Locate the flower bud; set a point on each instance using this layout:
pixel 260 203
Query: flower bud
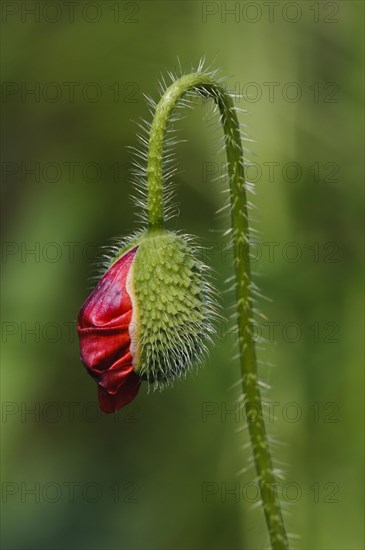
pixel 147 319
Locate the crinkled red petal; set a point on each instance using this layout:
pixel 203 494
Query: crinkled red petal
pixel 103 327
pixel 111 402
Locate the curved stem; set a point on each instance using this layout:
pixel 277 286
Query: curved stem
pixel 205 85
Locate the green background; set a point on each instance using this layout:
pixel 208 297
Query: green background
pixel 160 474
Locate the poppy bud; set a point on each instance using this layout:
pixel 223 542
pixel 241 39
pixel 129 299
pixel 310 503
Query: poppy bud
pixel 147 319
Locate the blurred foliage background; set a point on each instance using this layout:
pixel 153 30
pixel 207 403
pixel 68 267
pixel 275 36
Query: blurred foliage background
pixel 164 472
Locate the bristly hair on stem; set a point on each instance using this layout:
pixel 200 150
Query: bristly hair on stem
pixel 153 170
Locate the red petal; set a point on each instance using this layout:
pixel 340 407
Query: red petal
pixel 111 402
pixel 103 327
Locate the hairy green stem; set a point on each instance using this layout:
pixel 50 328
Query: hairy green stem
pixel 205 85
